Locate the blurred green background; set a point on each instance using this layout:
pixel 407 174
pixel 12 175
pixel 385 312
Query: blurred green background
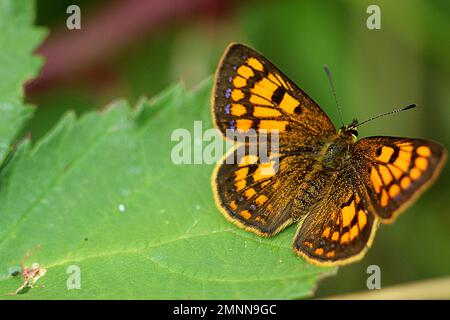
pixel 407 61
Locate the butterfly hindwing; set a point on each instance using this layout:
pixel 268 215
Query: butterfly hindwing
pixel 339 228
pixel 396 170
pixel 258 194
pixel 251 93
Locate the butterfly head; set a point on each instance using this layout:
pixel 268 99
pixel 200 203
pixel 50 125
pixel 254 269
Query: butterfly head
pixel 350 131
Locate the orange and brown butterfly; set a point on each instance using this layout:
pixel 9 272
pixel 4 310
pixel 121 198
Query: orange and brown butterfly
pixel 337 188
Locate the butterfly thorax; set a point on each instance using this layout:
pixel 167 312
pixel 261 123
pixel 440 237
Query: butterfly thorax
pixel 337 152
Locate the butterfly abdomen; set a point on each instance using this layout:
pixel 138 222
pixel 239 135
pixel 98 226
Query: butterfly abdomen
pixel 312 189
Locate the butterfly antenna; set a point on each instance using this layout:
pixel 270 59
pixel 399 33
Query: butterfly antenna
pixel 388 113
pixel 330 79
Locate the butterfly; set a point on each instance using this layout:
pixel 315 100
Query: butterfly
pixel 336 187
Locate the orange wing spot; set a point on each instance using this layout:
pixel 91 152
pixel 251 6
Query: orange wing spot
pixel 273 125
pixel 421 163
pixel 319 251
pixel 423 151
pixel 243 124
pixel 385 175
pixel 405 183
pixel 395 171
pixel 241 174
pixel 376 180
pixel 308 244
pixel 335 236
pixel 237 94
pixel 362 219
pixel 249 193
pixel 233 205
pixel 264 88
pixel 265 112
pixel 348 213
pixel 272 77
pixel 403 160
pixel 276 184
pixel 260 101
pixel 264 171
pixel 384 198
pixel 415 173
pixel 262 220
pixel 245 71
pixel 269 168
pixel 386 153
pixel 261 200
pixel 240 185
pixel 330 254
pixel 354 231
pixel 248 159
pixel 265 183
pixel 289 103
pixel 245 214
pixel 394 190
pixel 280 78
pixel 326 232
pixel 255 64
pixel 239 82
pixel 345 238
pixel 406 147
pixel 237 109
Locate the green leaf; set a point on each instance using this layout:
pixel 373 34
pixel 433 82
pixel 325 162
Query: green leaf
pixel 18 40
pixel 101 192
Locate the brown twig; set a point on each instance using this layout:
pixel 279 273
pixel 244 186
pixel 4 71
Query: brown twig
pixel 427 289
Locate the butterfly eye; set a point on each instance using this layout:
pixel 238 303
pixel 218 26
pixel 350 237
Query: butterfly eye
pixel 354 132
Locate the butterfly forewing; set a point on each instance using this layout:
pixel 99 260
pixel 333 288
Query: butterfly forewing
pixel 396 170
pixel 251 93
